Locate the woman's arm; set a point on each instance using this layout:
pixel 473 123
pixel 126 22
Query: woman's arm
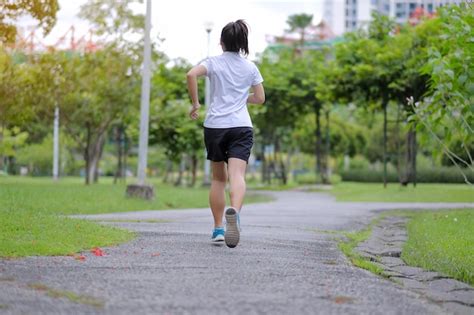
pixel 258 95
pixel 191 78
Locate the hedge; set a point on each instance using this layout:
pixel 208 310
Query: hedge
pixel 436 175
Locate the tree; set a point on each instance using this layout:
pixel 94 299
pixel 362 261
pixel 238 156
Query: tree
pixel 368 63
pixel 170 125
pixel 299 23
pixel 42 10
pixel 289 94
pixel 448 114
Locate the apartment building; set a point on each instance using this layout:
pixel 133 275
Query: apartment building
pixel 349 15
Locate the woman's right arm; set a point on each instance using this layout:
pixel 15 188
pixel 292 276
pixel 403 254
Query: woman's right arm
pixel 258 95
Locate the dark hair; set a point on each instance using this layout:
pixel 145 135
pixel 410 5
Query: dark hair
pixel 234 36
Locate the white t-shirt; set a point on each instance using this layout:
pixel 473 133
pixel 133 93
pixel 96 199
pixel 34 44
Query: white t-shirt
pixel 230 76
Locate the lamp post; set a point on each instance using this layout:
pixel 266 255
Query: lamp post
pixel 207 100
pixel 141 189
pixel 56 144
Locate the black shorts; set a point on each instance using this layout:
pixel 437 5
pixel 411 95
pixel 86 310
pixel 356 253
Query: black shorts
pixel 225 143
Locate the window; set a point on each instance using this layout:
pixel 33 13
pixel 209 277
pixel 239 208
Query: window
pixel 412 6
pixel 430 7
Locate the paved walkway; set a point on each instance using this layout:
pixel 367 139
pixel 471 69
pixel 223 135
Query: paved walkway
pixel 284 264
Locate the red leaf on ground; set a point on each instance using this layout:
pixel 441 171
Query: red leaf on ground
pixel 343 299
pixel 155 254
pixel 97 251
pixel 79 257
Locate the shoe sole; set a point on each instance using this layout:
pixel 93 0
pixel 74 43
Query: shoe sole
pixel 232 233
pixel 218 239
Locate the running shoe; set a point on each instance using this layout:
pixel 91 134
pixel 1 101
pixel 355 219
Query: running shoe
pixel 218 235
pixel 232 231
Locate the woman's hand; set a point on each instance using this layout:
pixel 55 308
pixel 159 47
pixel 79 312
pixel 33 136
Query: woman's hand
pixel 194 112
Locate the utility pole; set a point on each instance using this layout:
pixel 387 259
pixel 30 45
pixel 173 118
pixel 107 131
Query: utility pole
pixel 56 144
pixel 141 189
pixel 207 101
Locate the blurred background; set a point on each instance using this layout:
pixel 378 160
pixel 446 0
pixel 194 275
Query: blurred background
pixel 357 90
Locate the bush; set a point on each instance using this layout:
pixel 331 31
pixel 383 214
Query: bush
pixel 434 175
pixel 310 178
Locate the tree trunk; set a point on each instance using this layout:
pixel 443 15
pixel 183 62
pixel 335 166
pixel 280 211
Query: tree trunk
pixel 182 165
pixel 120 153
pixel 264 164
pixel 317 110
pixel 168 172
pixel 410 157
pixel 415 151
pixel 1 156
pixel 401 174
pixel 194 166
pixel 92 155
pixel 87 154
pixel 384 105
pixel 326 179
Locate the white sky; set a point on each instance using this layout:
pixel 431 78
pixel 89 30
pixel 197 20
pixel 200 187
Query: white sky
pixel 181 22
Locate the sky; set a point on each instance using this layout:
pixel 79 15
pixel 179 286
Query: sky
pixel 182 22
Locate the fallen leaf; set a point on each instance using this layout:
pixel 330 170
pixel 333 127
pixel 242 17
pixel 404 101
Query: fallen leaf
pixel 79 257
pixel 97 251
pixel 343 299
pixel 155 254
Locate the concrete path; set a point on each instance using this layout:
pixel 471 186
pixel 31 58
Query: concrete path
pixel 285 264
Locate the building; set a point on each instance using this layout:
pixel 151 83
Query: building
pixel 349 15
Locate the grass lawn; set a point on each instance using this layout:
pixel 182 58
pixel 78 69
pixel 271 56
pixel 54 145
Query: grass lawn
pixel 348 191
pixel 32 209
pixel 442 241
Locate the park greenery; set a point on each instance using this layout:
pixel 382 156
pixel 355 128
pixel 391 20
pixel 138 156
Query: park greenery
pixel 34 211
pixel 442 241
pixel 389 103
pixel 437 240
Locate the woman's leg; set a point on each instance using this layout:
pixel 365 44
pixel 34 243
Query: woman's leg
pixel 217 192
pixel 236 170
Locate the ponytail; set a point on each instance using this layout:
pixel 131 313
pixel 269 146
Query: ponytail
pixel 234 36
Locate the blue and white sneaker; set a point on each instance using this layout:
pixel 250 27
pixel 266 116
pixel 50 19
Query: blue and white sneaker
pixel 218 235
pixel 232 231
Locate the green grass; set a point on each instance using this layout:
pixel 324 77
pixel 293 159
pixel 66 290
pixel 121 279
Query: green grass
pixel 32 213
pixel 71 296
pixel 71 196
pixel 348 245
pixel 442 241
pixel 395 193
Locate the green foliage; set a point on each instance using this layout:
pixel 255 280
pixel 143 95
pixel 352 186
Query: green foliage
pixel 32 213
pixel 442 241
pixel 448 114
pixel 430 175
pixel 346 137
pixel 299 23
pixel 38 157
pixel 371 192
pixel 170 125
pixel 10 140
pixel 44 11
pixel 113 17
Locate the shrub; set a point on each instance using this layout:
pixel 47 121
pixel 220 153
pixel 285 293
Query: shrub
pixel 432 175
